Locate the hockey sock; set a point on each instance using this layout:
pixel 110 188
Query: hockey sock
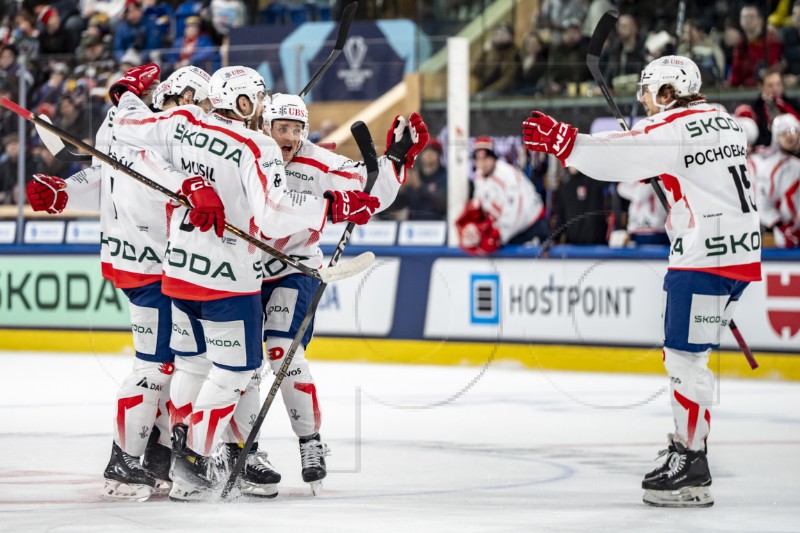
pixel 214 407
pixel 190 373
pixel 691 395
pixel 137 403
pixel 246 411
pixel 297 389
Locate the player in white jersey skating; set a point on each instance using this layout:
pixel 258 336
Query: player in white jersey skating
pixel 776 172
pixel 505 207
pixel 286 294
pixel 133 242
pixel 215 281
pixel 715 249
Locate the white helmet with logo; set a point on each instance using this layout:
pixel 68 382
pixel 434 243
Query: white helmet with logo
pixel 228 83
pixel 679 72
pixel 286 107
pixel 182 79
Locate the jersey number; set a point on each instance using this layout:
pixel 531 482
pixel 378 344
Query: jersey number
pixel 740 180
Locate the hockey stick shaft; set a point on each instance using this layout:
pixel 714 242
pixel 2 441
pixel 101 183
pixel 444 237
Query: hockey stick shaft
pixel 604 28
pixel 364 140
pixel 321 275
pixel 344 27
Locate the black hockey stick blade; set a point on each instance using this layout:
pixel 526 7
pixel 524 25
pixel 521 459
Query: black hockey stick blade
pixel 367 146
pixel 601 32
pixel 55 145
pixel 344 29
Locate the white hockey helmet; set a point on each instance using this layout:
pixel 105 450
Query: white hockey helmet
pixel 678 71
pixel 750 129
pixel 286 107
pixel 228 83
pixel 190 77
pixel 784 123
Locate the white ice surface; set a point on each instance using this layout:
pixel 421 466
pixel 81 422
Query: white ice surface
pixel 416 449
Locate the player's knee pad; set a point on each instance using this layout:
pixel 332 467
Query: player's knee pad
pixel 298 389
pixel 692 394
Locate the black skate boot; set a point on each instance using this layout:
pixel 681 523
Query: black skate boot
pixel 682 481
pixel 125 478
pixel 312 456
pixel 664 467
pixel 258 478
pixel 194 476
pixel 157 458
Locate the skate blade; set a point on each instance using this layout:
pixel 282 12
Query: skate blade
pixel 260 491
pixel 316 487
pixel 115 490
pixel 163 487
pixel 188 492
pixel 685 497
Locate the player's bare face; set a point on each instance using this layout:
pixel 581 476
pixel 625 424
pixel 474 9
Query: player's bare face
pixel 647 102
pixel 484 163
pixel 789 140
pixel 288 134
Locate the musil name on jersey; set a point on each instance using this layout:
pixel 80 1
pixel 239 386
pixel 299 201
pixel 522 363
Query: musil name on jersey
pixel 714 154
pixel 197 169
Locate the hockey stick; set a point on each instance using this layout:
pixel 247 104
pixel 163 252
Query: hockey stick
pixel 56 146
pixel 344 27
pixel 325 275
pixel 364 141
pixel 604 28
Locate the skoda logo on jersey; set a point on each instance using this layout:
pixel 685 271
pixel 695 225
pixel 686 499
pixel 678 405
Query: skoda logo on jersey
pixel 355 50
pixel 484 299
pixel 783 305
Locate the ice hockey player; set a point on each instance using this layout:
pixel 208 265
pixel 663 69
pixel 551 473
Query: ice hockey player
pixel 505 207
pixel 776 172
pixel 286 294
pixel 214 279
pixel 715 247
pixel 133 242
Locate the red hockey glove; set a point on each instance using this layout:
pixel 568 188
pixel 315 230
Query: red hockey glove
pixel 207 209
pixel 351 206
pixel 405 140
pixel 47 193
pixel 541 133
pixel 791 233
pixel 476 232
pixel 137 80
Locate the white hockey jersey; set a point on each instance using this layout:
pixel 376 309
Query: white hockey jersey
pixel 314 170
pixel 509 198
pixel 246 169
pixel 777 177
pixel 133 234
pixel 699 152
pixel 646 216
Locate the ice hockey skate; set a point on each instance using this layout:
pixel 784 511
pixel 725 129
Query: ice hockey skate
pixel 312 456
pixel 125 478
pixel 156 462
pixel 682 481
pixel 258 478
pixel 194 477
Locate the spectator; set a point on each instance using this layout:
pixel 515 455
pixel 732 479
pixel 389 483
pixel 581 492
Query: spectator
pixel 534 65
pixel 498 68
pixel 227 14
pixel 505 207
pixel 53 39
pixel 134 32
pixel 624 60
pixel 113 10
pixel 770 103
pixel 596 10
pixel 432 186
pixel 8 169
pixel 52 90
pixel 791 43
pixel 760 48
pixel 732 38
pixel 8 119
pixel 568 59
pixel 195 48
pixel 582 209
pixel 44 162
pixel 554 14
pixel 25 36
pixel 704 51
pixel 8 65
pixel 74 116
